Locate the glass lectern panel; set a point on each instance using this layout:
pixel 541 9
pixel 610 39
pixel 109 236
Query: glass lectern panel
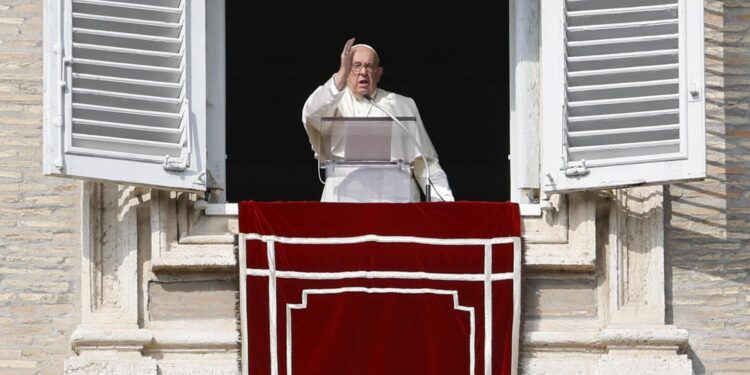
pixel 367 139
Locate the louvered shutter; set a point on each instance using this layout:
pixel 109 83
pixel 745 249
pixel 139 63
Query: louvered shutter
pixel 622 93
pixel 125 94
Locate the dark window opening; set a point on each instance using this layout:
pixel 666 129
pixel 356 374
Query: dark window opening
pixel 450 57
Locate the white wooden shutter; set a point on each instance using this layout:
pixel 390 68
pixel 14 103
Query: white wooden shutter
pixel 125 91
pixel 622 93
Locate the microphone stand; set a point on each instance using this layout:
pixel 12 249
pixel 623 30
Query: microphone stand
pixel 428 183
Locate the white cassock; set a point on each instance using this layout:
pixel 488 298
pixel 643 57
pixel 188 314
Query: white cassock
pixel 328 101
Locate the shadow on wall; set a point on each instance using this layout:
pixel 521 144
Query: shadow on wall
pixel 708 222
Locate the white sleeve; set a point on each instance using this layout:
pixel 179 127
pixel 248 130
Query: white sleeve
pixel 322 103
pixel 441 190
pixel 439 179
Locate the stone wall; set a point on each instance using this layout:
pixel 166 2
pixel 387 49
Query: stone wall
pixel 708 222
pixel 39 216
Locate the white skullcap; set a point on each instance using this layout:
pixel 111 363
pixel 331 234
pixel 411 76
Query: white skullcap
pixel 377 57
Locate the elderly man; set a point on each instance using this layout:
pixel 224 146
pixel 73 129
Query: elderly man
pixel 344 95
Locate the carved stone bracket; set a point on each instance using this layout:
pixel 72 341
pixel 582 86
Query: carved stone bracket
pixel 564 238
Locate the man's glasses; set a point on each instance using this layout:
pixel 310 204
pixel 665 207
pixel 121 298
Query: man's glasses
pixel 369 68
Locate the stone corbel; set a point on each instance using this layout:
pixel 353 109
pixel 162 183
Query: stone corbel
pixel 565 237
pixel 185 239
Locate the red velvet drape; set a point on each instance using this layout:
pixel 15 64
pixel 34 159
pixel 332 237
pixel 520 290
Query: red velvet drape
pixel 379 325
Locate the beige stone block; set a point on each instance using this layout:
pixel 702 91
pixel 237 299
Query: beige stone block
pixel 9 154
pixel 11 20
pixel 9 354
pixel 19 163
pixel 44 224
pixel 22 121
pixel 10 174
pixel 66 187
pixel 50 200
pixel 35 285
pixel 30 7
pixel 22 142
pixel 8 198
pixel 25 236
pixel 20 43
pixel 213 299
pixel 7 363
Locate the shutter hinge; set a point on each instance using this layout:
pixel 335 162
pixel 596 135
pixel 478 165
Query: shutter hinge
pixel 576 168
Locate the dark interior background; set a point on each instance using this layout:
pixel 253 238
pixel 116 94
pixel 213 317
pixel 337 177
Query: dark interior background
pixel 451 57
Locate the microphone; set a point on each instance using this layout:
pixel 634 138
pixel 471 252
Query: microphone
pixel 428 183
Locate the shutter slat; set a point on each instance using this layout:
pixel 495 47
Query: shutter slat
pixel 132 21
pixel 126 25
pixel 127 56
pixel 630 115
pixel 123 50
pixel 639 99
pixel 621 136
pixel 119 34
pixel 131 5
pixel 623 90
pixel 120 115
pixel 618 26
pixel 167 115
pixel 127 95
pixel 602 72
pixel 623 75
pixel 624 55
pixel 118 125
pixel 645 129
pixel 127 101
pixel 127 65
pixel 574 5
pixel 592 153
pixel 130 146
pixel 601 42
pixel 126 131
pixel 623 10
pixel 135 86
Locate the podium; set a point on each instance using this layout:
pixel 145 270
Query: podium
pixel 367 160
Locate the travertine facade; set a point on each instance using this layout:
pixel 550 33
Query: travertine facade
pixel 646 280
pixel 708 222
pixel 40 225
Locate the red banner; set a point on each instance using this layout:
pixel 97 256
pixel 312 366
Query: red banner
pixel 424 288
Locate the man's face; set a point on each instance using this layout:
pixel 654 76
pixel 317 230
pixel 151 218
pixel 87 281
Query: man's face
pixel 365 72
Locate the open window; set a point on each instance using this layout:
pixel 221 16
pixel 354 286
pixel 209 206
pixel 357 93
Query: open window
pixel 134 92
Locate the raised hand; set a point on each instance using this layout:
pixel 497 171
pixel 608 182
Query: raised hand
pixel 347 55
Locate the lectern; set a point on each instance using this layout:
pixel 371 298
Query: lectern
pixel 367 159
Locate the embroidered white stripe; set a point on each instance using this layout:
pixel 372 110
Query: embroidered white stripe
pixel 307 292
pixel 379 275
pixel 271 250
pixel 488 309
pixel 379 238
